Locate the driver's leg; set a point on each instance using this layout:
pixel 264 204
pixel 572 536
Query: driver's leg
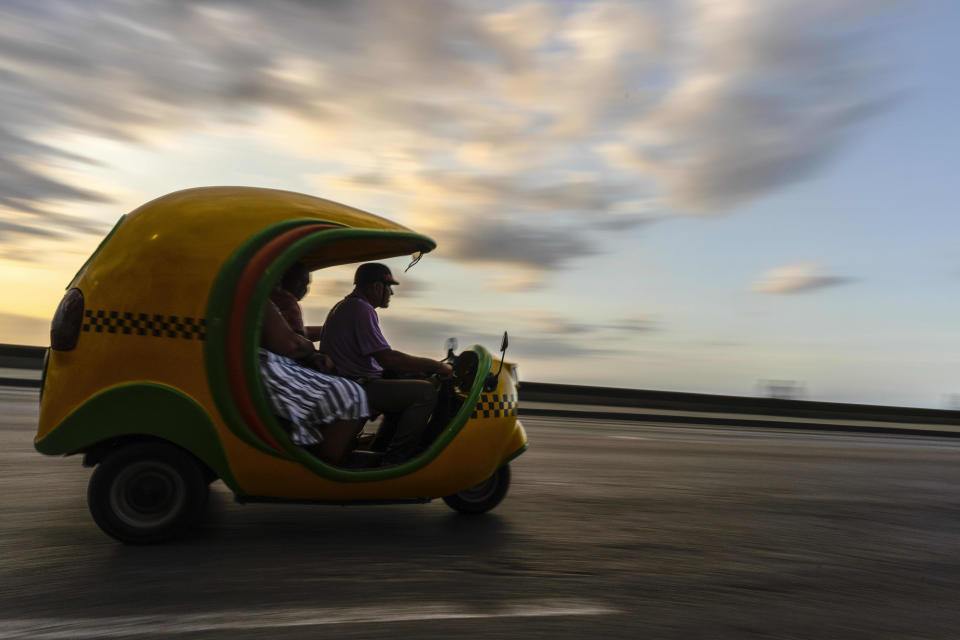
pixel 385 433
pixel 414 401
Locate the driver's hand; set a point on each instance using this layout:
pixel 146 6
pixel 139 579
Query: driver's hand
pixel 444 371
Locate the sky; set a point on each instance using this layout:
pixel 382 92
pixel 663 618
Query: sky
pixel 717 196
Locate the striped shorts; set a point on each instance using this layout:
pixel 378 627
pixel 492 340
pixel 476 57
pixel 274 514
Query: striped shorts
pixel 309 399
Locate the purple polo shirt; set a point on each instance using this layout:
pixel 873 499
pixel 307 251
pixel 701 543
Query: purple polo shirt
pixel 350 335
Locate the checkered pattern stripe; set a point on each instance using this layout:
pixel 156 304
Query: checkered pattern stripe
pixel 494 405
pixel 144 324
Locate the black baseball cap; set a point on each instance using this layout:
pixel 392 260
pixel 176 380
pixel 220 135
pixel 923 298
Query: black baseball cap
pixel 373 272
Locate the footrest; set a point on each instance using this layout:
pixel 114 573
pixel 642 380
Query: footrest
pixel 363 459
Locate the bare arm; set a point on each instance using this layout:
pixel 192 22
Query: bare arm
pixel 313 332
pixel 400 362
pixel 278 337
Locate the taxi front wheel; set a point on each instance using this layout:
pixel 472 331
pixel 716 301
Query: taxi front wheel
pixel 147 492
pixel 484 496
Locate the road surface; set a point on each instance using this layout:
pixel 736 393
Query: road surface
pixel 611 530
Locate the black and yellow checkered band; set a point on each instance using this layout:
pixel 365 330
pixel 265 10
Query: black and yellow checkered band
pixel 494 405
pixel 144 324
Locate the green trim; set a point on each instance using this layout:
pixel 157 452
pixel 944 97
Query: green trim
pixel 516 454
pixel 141 408
pixel 372 475
pixel 253 322
pixel 97 250
pixel 218 311
pixel 254 319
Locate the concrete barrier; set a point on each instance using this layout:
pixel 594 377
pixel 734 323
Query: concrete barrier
pixel 710 403
pixel 585 401
pixel 14 356
pixel 20 365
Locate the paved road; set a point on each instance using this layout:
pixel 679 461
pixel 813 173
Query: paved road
pixel 611 530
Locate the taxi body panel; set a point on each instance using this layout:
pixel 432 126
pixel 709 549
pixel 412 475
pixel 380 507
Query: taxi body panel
pixel 173 300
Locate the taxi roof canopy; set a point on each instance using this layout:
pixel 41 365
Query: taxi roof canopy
pixel 193 232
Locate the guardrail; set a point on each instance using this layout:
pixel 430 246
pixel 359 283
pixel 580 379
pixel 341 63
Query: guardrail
pixel 710 403
pixel 18 357
pixel 31 358
pixel 13 356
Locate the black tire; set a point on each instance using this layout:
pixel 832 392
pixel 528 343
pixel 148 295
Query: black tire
pixel 484 496
pixel 147 492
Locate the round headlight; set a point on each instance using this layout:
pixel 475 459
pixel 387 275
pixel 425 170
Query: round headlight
pixel 65 328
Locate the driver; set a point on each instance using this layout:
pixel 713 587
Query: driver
pixel 352 338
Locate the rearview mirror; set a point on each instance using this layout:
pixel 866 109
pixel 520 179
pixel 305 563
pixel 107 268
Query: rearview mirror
pixel 494 378
pixel 414 259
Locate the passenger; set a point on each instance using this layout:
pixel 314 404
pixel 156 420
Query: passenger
pixel 325 411
pixel 351 336
pixel 293 287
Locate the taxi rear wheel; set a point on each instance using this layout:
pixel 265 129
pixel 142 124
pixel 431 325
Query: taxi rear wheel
pixel 147 492
pixel 484 496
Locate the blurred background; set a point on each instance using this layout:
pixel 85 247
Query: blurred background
pixel 717 196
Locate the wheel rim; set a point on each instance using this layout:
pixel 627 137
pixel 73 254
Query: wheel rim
pixel 481 492
pixel 147 494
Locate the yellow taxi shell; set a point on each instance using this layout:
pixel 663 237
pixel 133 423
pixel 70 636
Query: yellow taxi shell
pixel 160 262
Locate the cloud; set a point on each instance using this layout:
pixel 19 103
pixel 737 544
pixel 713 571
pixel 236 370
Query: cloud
pixel 498 220
pixel 119 71
pixel 336 283
pixel 534 334
pixel 584 194
pixel 551 323
pixel 504 242
pixel 769 93
pixel 546 322
pixel 539 348
pixel 796 278
pixel 695 105
pixel 635 324
pixel 424 336
pixel 9 226
pixel 26 182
